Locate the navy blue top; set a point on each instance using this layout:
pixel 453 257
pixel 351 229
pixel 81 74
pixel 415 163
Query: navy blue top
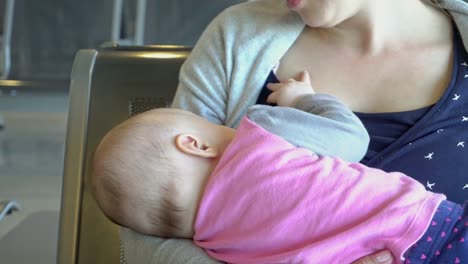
pixel 428 144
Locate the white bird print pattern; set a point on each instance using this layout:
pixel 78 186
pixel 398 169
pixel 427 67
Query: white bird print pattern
pixel 429 185
pixel 446 128
pixel 446 147
pixel 429 156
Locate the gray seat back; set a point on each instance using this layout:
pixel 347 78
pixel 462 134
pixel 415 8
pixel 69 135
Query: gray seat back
pixel 107 86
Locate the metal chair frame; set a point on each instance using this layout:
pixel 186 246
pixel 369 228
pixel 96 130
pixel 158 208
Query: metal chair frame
pixel 107 86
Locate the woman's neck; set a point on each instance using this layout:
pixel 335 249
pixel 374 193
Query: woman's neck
pixel 384 26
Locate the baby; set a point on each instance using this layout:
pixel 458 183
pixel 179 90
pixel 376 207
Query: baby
pixel 277 190
pixel 149 173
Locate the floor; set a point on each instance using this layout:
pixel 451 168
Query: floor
pixel 31 165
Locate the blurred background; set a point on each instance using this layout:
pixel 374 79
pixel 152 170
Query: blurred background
pixel 38 42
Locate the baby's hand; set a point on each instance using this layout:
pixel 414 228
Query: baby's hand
pixel 287 93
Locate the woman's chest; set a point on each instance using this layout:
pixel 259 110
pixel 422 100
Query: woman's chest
pixel 392 82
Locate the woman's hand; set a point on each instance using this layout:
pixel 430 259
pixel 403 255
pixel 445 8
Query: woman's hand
pixel 383 257
pixel 286 93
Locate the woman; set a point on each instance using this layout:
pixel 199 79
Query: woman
pixel 399 64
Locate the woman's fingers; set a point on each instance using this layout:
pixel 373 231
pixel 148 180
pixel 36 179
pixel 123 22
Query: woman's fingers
pixel 284 91
pixel 301 77
pixel 274 86
pixel 383 257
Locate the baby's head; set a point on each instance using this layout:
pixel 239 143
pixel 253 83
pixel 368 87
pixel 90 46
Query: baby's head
pixel 143 179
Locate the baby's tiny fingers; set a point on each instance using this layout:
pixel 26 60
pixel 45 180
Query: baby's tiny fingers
pixel 272 98
pixel 274 86
pixel 304 77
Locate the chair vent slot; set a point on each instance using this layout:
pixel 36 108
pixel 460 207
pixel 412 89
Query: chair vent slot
pixel 141 104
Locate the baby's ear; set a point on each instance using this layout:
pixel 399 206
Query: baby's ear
pixel 193 145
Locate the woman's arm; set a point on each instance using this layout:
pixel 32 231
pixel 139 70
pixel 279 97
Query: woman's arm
pixel 154 250
pixel 203 80
pixel 147 249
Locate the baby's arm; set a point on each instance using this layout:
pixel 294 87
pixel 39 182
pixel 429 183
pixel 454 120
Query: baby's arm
pixel 318 122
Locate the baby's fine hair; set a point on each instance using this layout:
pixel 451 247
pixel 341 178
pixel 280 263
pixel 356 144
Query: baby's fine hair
pixel 133 175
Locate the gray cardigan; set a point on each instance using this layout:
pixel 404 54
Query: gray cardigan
pixel 222 78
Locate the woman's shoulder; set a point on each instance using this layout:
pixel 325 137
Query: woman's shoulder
pixel 458 10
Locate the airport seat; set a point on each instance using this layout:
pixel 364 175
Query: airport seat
pixel 107 86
